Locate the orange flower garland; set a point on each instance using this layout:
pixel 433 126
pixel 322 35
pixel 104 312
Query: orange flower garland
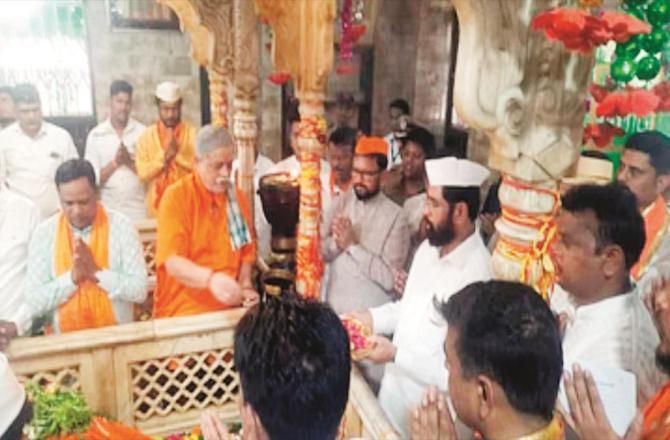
pixel 308 253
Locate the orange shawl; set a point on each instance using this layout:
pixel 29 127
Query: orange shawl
pixel 89 306
pixel 657 415
pixel 656 221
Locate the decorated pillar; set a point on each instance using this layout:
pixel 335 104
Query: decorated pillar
pixel 210 26
pixel 246 85
pixel 303 48
pixel 527 94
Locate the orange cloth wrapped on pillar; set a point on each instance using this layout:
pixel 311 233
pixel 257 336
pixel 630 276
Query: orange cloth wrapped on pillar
pixel 192 224
pixel 150 160
pixel 89 306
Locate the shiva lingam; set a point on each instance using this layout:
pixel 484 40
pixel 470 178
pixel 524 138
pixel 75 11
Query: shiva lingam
pixel 280 197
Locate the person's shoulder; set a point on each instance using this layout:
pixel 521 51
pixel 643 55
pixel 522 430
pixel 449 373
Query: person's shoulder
pixel 136 125
pixel 389 206
pixel 182 189
pixel 148 131
pixel 55 130
pixel 46 227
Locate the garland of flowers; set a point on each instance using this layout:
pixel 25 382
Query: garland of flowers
pixel 640 30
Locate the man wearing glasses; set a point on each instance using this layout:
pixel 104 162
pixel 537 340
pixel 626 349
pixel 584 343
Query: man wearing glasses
pixel 366 238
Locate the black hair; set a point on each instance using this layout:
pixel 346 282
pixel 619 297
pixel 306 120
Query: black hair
pixel 507 332
pixel 344 136
pixel 656 145
pixel 15 429
pixel 468 195
pixel 120 86
pixel 292 356
pixel 619 220
pixel 382 160
pixel 74 169
pixel 26 94
pixel 401 105
pixel 423 138
pixel 595 154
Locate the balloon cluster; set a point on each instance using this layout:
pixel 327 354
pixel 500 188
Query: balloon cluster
pixel 641 55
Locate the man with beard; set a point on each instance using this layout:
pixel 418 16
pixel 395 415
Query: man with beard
pixel 452 257
pixel 367 236
pixel 205 247
pixel 165 150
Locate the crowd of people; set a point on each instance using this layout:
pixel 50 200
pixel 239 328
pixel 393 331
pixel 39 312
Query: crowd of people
pixel 404 238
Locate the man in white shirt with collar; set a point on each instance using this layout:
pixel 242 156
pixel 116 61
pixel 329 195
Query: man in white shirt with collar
pixel 33 149
pixel 452 257
pixel 600 237
pixel 110 147
pixel 18 219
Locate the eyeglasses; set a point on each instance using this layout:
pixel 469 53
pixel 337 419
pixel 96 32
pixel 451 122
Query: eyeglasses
pixel 368 174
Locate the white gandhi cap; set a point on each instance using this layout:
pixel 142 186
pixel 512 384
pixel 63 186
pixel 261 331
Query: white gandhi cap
pixel 460 173
pixel 12 395
pixel 168 92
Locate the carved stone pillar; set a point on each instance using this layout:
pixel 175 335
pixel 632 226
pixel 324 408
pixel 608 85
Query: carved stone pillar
pixel 210 25
pixel 303 48
pixel 527 94
pixel 246 85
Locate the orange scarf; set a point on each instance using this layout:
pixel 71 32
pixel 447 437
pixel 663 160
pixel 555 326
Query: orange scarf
pixel 657 415
pixel 170 175
pixel 89 306
pixel 656 221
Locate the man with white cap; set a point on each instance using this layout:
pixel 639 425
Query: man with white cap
pixel 166 150
pixel 452 257
pixel 15 409
pixel 18 219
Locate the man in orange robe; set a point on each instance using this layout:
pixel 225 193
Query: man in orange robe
pixel 205 245
pixel 85 264
pixel 165 151
pixel 645 169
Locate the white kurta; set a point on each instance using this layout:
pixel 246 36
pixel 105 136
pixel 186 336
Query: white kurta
pixel 616 332
pixel 18 219
pixel 419 330
pixel 32 163
pixel 123 191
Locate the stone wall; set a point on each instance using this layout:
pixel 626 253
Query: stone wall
pixel 142 57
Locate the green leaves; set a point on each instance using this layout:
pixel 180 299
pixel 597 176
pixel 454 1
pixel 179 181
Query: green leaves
pixel 57 412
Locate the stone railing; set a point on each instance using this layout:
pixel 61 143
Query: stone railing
pixel 160 375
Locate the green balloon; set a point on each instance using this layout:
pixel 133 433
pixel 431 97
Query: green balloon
pixel 658 12
pixel 629 49
pixel 622 69
pixel 636 11
pixel 654 41
pixel 648 67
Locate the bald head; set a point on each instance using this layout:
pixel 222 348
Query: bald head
pixel 211 138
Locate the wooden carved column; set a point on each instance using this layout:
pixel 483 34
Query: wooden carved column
pixel 210 25
pixel 527 94
pixel 303 48
pixel 246 85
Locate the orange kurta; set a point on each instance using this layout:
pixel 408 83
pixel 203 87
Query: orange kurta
pixel 89 306
pixel 657 416
pixel 656 219
pixel 150 160
pixel 192 224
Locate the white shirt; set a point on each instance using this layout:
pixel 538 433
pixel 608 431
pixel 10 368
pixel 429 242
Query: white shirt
pixel 418 327
pixel 18 219
pixel 32 163
pixel 616 332
pixel 262 166
pixel 123 191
